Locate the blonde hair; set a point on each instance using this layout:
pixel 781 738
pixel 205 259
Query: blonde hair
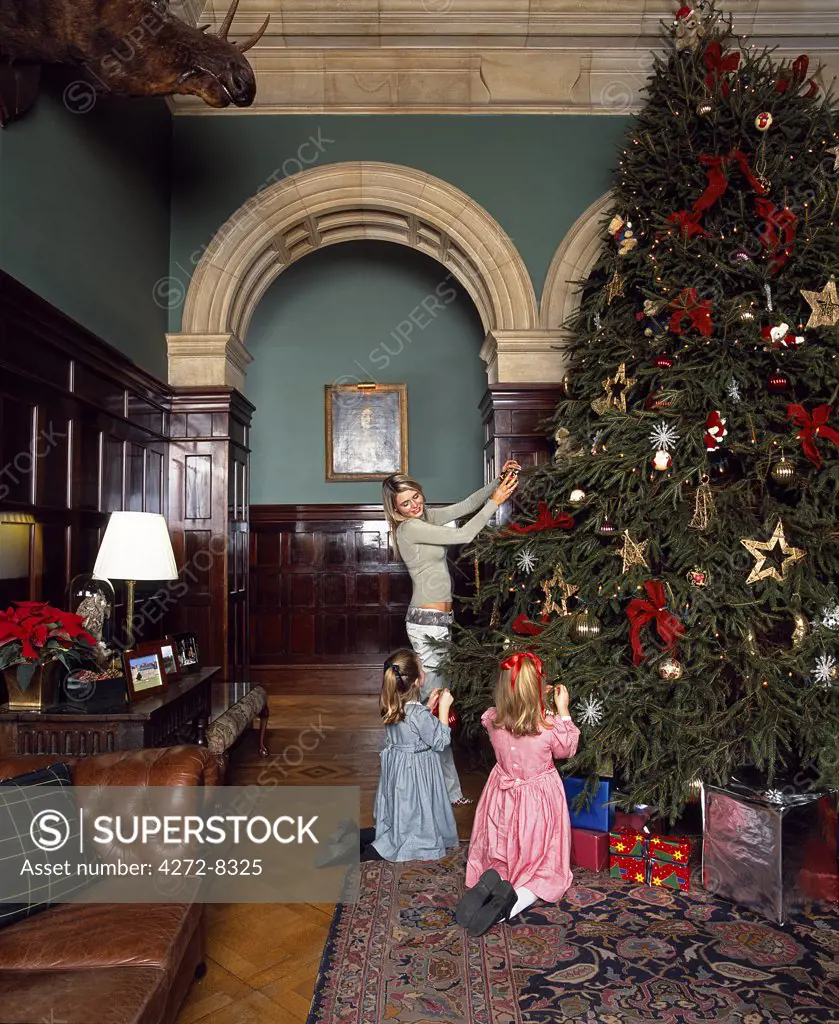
pixel 400 684
pixel 520 708
pixel 395 484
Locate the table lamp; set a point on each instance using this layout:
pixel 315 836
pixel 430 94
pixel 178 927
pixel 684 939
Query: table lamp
pixel 136 546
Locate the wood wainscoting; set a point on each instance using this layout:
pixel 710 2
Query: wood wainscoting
pixel 85 432
pixel 327 586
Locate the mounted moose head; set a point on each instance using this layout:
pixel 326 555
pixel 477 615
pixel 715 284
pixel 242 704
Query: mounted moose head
pixel 131 47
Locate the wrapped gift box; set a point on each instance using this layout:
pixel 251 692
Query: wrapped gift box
pixel 758 841
pixel 630 869
pixel 589 849
pixel 673 876
pixel 596 815
pixel 627 843
pixel 637 820
pixel 669 849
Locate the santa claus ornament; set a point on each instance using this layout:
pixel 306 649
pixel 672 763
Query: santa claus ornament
pixel 781 337
pixel 689 29
pixel 715 431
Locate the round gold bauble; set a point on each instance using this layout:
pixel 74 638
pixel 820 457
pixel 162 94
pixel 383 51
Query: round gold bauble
pixel 585 626
pixel 704 109
pixel 670 669
pixel 783 471
pixel 577 496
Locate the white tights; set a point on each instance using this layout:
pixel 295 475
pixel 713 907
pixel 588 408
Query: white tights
pixel 524 899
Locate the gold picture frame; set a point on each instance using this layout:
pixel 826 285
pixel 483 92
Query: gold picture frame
pixel 366 431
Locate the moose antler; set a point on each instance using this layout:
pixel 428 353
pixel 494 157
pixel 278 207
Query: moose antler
pixel 228 21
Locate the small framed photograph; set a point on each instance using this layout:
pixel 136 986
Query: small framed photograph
pixel 366 431
pixel 186 651
pixel 145 674
pixel 169 650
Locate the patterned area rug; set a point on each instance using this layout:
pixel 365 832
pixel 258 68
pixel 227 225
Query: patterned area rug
pixel 608 953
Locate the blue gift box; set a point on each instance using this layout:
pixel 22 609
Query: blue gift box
pixel 598 814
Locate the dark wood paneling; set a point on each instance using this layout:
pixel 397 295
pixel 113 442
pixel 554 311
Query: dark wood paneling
pixel 71 455
pixel 326 585
pixel 516 418
pixel 84 432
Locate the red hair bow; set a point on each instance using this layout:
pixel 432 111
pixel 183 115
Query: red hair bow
pixel 515 661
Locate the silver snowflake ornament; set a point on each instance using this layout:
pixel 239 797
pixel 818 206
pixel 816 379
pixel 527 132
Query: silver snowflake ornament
pixel 830 617
pixel 526 560
pixel 824 672
pixel 663 435
pixel 774 796
pixel 733 390
pixel 591 711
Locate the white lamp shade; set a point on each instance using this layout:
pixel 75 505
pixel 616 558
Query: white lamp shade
pixel 136 546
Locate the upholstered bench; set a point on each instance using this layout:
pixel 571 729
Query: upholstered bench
pixel 225 730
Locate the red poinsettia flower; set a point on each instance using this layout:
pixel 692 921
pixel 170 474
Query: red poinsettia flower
pixel 33 624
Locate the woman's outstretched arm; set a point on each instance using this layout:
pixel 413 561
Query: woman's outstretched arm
pixel 447 514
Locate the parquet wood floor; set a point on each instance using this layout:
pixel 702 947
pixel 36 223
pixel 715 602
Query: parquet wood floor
pixel 262 960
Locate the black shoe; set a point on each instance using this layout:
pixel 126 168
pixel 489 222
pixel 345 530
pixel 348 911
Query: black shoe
pixel 340 846
pixel 475 897
pixel 497 907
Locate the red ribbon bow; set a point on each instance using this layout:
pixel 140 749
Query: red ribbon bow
pixel 776 223
pixel 514 662
pixel 524 627
pixel 545 521
pixel 716 168
pixel 718 65
pixel 640 613
pixel 812 426
pixel 697 310
pixel 688 223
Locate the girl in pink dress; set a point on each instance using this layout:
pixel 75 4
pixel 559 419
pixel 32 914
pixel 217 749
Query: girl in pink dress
pixel 522 833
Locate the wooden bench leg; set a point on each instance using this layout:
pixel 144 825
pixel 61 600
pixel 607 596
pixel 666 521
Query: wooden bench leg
pixel 263 725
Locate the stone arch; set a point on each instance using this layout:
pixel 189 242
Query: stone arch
pixel 336 203
pixel 572 262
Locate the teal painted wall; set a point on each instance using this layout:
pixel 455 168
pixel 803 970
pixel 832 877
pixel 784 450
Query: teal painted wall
pixel 84 216
pixel 534 174
pixel 333 317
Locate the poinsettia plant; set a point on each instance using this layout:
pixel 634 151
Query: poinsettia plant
pixel 34 633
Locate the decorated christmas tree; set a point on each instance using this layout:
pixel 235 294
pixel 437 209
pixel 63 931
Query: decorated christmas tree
pixel 677 565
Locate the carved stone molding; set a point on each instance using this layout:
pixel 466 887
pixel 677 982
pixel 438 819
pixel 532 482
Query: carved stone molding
pixel 524 356
pixel 572 262
pixel 499 56
pixel 338 203
pixel 205 359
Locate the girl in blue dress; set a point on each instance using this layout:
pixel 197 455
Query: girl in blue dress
pixel 414 819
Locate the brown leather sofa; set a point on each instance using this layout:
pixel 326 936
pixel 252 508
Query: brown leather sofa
pixel 106 963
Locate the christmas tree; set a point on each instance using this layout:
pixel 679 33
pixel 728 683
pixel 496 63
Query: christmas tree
pixel 676 565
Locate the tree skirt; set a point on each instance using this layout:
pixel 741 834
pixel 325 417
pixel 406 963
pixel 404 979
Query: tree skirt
pixel 608 953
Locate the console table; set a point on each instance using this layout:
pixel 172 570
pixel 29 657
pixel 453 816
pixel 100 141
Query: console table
pixel 178 715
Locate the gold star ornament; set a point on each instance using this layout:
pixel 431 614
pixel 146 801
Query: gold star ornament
pixel 760 551
pixel 632 552
pixel 616 388
pixel 614 289
pixel 566 590
pixel 824 305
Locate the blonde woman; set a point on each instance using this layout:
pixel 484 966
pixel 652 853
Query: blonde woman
pixel 422 538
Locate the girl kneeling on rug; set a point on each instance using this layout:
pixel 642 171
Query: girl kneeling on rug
pixel 414 819
pixel 521 840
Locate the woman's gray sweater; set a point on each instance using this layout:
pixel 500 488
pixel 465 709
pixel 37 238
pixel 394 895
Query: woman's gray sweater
pixel 422 543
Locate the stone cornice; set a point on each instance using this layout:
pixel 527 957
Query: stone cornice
pixel 481 56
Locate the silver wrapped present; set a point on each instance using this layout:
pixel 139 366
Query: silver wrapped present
pixel 770 851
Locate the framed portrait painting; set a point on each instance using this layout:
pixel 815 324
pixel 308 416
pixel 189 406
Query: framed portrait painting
pixel 366 431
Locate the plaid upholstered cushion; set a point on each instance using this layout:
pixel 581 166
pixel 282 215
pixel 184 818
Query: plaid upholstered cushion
pixel 23 893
